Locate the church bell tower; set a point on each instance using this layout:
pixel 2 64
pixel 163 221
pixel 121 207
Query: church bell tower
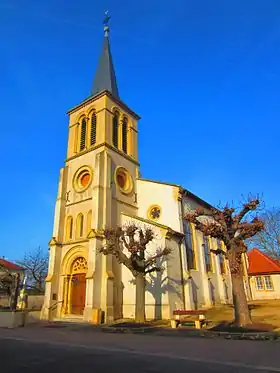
pixel 96 185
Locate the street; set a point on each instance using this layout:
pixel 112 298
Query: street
pixel 42 350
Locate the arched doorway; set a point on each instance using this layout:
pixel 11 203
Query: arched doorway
pixel 78 286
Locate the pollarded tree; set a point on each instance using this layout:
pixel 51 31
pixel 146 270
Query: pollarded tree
pixel 129 246
pixel 231 226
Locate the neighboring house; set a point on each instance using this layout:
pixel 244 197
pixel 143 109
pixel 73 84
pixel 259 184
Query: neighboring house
pixel 264 275
pixel 6 266
pixel 100 186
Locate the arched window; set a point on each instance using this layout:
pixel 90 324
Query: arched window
pixel 191 261
pixel 207 254
pixel 69 228
pixel 89 216
pixel 93 129
pixel 83 134
pixel 80 226
pixel 124 134
pixel 115 129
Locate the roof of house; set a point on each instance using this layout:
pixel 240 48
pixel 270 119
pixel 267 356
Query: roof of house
pixel 10 266
pixel 260 263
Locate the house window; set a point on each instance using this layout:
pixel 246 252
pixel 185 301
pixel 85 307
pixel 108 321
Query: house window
pixel 268 283
pixel 259 283
pixel 189 246
pixel 207 254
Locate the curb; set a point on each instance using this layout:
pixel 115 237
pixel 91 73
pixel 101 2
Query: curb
pixel 265 336
pixel 111 329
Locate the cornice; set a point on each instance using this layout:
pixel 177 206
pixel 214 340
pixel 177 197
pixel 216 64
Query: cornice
pixel 106 145
pixel 99 95
pixel 75 203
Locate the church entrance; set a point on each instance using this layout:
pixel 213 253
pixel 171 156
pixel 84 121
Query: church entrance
pixel 78 286
pixel 78 294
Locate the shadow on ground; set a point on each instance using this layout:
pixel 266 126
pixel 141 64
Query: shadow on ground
pixel 231 328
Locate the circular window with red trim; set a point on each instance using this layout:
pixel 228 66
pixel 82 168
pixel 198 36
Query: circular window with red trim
pixel 123 180
pixel 82 178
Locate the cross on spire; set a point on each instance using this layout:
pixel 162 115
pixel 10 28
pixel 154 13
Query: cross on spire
pixel 105 77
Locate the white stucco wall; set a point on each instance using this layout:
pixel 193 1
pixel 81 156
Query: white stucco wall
pixel 164 290
pixel 207 288
pixel 153 193
pixel 266 294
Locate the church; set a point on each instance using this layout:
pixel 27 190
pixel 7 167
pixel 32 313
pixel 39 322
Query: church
pixel 100 187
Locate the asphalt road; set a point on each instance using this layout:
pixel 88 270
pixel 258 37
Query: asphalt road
pixel 55 351
pixel 22 356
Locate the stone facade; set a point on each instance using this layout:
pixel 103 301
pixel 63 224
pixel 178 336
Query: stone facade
pixel 99 187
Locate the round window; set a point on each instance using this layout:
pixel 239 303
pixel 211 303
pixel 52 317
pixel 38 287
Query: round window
pixel 82 179
pixel 154 212
pixel 123 180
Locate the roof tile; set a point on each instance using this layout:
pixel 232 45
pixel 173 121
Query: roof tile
pixel 260 263
pixel 9 265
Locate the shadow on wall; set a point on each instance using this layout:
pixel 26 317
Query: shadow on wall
pixel 212 293
pixel 226 291
pixel 157 285
pixel 195 289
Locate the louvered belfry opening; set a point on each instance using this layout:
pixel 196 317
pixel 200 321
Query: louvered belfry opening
pixel 83 134
pixel 93 129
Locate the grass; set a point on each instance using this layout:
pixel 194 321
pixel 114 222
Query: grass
pixel 262 312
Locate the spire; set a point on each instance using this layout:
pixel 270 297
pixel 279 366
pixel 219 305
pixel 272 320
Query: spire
pixel 105 77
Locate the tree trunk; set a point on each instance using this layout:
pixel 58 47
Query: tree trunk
pixel 140 298
pixel 15 292
pixel 242 315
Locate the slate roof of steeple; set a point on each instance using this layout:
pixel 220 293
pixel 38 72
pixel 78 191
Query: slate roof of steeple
pixel 105 77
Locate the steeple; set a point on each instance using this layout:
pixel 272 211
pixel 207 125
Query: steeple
pixel 105 77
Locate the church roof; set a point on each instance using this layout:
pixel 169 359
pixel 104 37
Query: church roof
pixel 260 263
pixel 105 77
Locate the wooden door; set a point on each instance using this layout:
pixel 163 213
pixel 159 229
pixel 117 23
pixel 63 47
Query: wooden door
pixel 78 293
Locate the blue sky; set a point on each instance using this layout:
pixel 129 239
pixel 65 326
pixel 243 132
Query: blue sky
pixel 203 75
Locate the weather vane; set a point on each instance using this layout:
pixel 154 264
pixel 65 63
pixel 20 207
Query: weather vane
pixel 106 19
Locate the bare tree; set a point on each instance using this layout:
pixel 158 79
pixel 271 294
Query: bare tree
pixel 231 227
pixel 10 285
pixel 5 280
pixel 129 246
pixel 268 240
pixel 36 266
